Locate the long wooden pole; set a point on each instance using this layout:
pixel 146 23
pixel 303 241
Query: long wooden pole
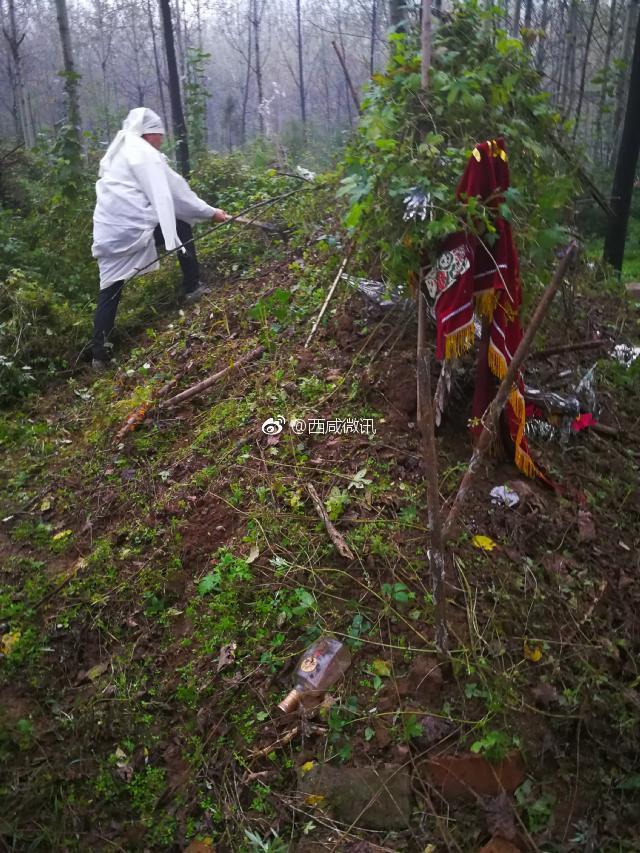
pixel 436 555
pixel 211 380
pixel 316 323
pixel 490 417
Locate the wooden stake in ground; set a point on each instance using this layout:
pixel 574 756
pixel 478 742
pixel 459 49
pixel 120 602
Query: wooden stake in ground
pixel 435 552
pixel 336 538
pixel 490 417
pixel 316 323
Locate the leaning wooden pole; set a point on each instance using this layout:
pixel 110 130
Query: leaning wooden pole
pixel 435 552
pixel 316 322
pixel 347 76
pixel 490 417
pixel 211 380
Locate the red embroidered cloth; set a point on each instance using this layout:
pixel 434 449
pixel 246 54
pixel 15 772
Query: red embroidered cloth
pixel 480 276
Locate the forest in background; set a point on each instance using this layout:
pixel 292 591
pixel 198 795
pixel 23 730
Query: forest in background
pixel 270 68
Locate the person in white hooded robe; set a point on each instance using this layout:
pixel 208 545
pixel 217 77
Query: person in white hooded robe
pixel 141 204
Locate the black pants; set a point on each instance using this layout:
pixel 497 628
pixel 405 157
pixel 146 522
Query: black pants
pixel 109 297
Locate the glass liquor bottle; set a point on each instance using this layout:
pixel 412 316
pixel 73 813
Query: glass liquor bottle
pixel 319 668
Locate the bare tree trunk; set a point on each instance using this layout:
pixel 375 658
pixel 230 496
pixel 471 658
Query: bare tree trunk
pixel 257 8
pixel 528 13
pixel 374 30
pixel 627 161
pixel 542 39
pixel 515 23
pixel 156 62
pixel 621 88
pixel 71 76
pixel 133 29
pixel 397 15
pixel 583 74
pixel 180 41
pixel 247 81
pixel 426 43
pixel 199 25
pixel 347 76
pixel 556 57
pixel 179 127
pixel 605 79
pixel 24 122
pixel 569 63
pixel 303 110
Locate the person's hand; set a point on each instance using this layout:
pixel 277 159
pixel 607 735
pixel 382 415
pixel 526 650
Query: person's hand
pixel 220 216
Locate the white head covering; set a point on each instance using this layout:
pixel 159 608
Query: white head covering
pixel 139 121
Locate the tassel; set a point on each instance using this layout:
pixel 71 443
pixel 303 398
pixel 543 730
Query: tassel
pixel 497 361
pixel 486 302
pixel 458 342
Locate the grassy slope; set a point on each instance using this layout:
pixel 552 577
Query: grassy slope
pixel 128 564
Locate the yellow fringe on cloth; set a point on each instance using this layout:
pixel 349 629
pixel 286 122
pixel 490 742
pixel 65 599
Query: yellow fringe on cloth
pixel 498 366
pixel 460 341
pixel 486 302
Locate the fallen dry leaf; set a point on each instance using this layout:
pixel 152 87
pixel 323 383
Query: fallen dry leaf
pixel 227 655
pixel 532 653
pixel 483 542
pixel 204 846
pixel 96 671
pixel 586 526
pixel 545 694
pixel 9 642
pixel 500 817
pixel 381 667
pixel 434 729
pixel 254 553
pixel 315 799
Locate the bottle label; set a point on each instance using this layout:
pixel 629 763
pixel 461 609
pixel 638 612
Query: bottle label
pixel 308 664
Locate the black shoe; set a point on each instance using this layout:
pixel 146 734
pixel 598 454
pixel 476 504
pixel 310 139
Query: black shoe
pixel 197 294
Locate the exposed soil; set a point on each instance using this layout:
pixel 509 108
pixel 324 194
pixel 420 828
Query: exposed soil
pixel 117 730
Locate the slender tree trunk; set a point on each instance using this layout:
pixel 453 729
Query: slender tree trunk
pixel 557 52
pixel 583 74
pixel 347 77
pixel 199 25
pixel 515 23
pixel 374 31
pixel 621 88
pixel 180 41
pixel 568 67
pixel 247 82
pixel 179 127
pixel 133 29
pixel 156 62
pixel 626 164
pixel 24 124
pixel 397 15
pixel 71 76
pixel 303 109
pixel 425 40
pixel 528 13
pixel 605 80
pixel 256 16
pixel 542 41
